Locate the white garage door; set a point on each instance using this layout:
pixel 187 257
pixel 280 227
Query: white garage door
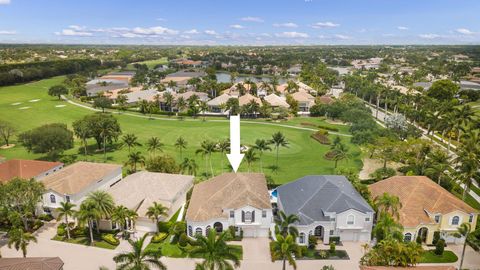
pixel 145 226
pixel 254 232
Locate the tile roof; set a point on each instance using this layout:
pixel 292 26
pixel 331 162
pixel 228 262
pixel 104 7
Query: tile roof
pixel 76 177
pixel 32 263
pixel 303 97
pixel 222 99
pixel 417 195
pixel 245 99
pixel 25 169
pixel 310 197
pixel 276 101
pixel 138 191
pixel 227 191
pixel 148 95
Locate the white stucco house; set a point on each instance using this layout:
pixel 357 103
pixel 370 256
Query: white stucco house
pixel 327 206
pixel 231 199
pixel 74 182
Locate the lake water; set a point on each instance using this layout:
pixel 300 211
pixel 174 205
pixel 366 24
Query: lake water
pixel 223 77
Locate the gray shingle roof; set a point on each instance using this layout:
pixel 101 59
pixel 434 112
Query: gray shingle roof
pixel 310 197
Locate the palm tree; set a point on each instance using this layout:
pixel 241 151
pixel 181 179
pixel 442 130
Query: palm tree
pixel 388 228
pixel 463 231
pixel 340 153
pixel 223 147
pixel 20 240
pixel 464 116
pixel 104 203
pixel 130 140
pixel 278 139
pixel 207 148
pixel 139 258
pixel 134 158
pixel 189 166
pixel 64 211
pixel 181 104
pixel 467 167
pixel 88 213
pixel 439 165
pixel 285 249
pixel 181 144
pixel 154 144
pixel 284 224
pixel 262 145
pixel 120 216
pixel 250 157
pixel 156 211
pixel 387 203
pixel 203 106
pixel 168 97
pixel 214 250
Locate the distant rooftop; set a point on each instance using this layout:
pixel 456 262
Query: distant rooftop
pixel 24 169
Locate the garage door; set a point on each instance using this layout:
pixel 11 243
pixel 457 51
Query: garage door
pixel 349 236
pixel 145 226
pixel 255 232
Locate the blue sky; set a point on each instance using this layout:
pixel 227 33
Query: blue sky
pixel 243 22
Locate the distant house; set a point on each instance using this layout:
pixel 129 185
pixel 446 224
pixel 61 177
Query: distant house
pixel 247 98
pixel 140 190
pixel 27 169
pixel 231 199
pixel 426 208
pixel 181 78
pixel 101 85
pixel 148 95
pixel 216 105
pixel 201 95
pixel 327 206
pixel 325 99
pixel 464 85
pixel 74 182
pixel 294 70
pixel 121 75
pixel 32 263
pixel 276 102
pixel 305 101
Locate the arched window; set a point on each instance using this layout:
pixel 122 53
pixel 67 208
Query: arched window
pixel 190 231
pixel 52 198
pixel 350 219
pixel 407 237
pixel 248 217
pixel 198 231
pixel 302 238
pixel 455 220
pixel 207 229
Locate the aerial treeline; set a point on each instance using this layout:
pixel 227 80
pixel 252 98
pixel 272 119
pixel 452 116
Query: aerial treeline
pixel 26 72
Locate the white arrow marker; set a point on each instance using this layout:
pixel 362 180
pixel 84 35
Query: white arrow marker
pixel 235 157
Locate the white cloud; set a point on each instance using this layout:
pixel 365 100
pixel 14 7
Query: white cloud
pixel 251 19
pixel 192 32
pixel 403 28
pixel 325 25
pixel 237 26
pixel 288 24
pixel 73 32
pixel 4 2
pixel 292 35
pixel 160 19
pixel 464 31
pixel 6 32
pixel 429 36
pixel 344 37
pixel 156 30
pixel 77 27
pixel 129 35
pixel 210 32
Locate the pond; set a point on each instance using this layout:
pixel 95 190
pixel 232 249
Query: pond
pixel 223 77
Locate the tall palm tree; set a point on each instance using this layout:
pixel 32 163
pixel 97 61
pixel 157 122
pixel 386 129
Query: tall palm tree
pixel 20 240
pixel 189 166
pixel 464 116
pixel 203 106
pixel 181 104
pixel 387 203
pixel 154 144
pixel 207 148
pixel 181 144
pixel 388 228
pixel 88 213
pixel 135 158
pixel 155 212
pixel 340 153
pixel 104 203
pixel 250 157
pixel 439 167
pixel 139 258
pixel 120 216
pixel 284 224
pixel 168 97
pixel 278 140
pixel 215 252
pixel 66 210
pixel 262 145
pixel 463 231
pixel 285 249
pixel 223 147
pixel 130 140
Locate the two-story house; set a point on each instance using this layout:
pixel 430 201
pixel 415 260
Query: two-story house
pixel 74 182
pixel 231 199
pixel 326 205
pixel 27 169
pixel 426 208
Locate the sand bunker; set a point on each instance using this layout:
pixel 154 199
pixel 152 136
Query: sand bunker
pixel 34 100
pixel 24 108
pixel 60 106
pixel 16 103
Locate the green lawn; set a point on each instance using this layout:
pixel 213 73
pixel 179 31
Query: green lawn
pixel 84 240
pixel 150 63
pixel 303 156
pixel 174 251
pixel 430 257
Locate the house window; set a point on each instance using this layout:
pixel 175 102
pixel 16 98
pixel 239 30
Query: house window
pixel 232 214
pixel 470 218
pixel 331 232
pixel 264 214
pixel 437 218
pixel 350 219
pixel 407 237
pixel 367 219
pixel 248 217
pixel 67 198
pixel 198 231
pixel 455 220
pixel 190 231
pixel 52 198
pixel 302 238
pixel 207 229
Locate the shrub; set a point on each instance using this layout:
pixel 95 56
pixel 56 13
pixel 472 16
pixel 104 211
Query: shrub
pixel 312 242
pixel 436 237
pixel 45 217
pixel 61 230
pixel 332 247
pixel 321 137
pixel 183 240
pixel 37 224
pixel 110 238
pixel 301 251
pixel 159 237
pixel 323 254
pixel 418 240
pixel 439 247
pixel 334 239
pixel 164 226
pixel 382 173
pixel 78 232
